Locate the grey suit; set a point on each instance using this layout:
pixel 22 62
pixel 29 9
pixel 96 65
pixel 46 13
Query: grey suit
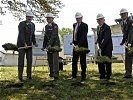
pixel 127 29
pixel 25 35
pixel 51 38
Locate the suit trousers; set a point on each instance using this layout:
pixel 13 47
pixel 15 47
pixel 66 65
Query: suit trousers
pixel 128 63
pixel 75 58
pixel 53 61
pixel 105 69
pixel 21 57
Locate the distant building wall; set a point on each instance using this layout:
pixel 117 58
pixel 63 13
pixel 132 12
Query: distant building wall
pixel 116 38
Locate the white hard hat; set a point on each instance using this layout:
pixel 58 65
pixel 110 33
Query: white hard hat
pixel 78 15
pixel 49 15
pixel 123 10
pixel 29 13
pixel 99 16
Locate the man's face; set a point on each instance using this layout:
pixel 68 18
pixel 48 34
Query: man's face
pixel 100 21
pixel 29 18
pixel 124 16
pixel 49 19
pixel 79 20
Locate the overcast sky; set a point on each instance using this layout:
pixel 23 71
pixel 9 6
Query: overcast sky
pixel 89 9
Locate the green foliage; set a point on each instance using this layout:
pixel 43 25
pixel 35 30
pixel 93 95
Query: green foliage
pixel 38 7
pixel 65 31
pixel 54 49
pixel 102 59
pixel 81 50
pixel 42 88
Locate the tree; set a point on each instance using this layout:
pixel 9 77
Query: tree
pixel 38 7
pixel 65 31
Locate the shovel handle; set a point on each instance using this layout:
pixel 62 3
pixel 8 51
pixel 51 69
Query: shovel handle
pixel 24 47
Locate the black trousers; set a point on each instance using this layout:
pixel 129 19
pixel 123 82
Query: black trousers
pixel 75 58
pixel 105 69
pixel 128 63
pixel 21 57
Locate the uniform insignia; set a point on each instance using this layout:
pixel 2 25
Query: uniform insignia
pixel 55 26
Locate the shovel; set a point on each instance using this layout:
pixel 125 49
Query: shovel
pixel 24 47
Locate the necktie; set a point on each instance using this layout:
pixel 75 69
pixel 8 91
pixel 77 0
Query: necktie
pixel 75 32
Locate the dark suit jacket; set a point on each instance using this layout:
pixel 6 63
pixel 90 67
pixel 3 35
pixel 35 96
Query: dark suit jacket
pixel 81 39
pixel 104 40
pixel 26 34
pixel 51 37
pixel 127 29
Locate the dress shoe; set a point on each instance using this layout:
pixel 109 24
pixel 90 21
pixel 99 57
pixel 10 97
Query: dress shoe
pixel 102 77
pixel 56 78
pixel 83 79
pixel 51 75
pixel 30 78
pixel 107 78
pixel 20 79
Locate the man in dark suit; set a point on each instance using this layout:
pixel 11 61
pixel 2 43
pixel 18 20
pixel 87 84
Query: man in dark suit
pixel 127 30
pixel 80 30
pixel 26 37
pixel 104 42
pixel 51 39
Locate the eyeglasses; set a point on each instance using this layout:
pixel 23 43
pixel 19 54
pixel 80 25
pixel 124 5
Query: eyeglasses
pixel 123 13
pixel 100 19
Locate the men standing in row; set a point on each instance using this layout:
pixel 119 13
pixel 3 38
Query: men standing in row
pixel 104 41
pixel 26 37
pixel 80 30
pixel 51 39
pixel 127 30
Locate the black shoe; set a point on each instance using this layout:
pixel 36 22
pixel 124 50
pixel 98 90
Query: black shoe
pixel 51 75
pixel 56 78
pixel 107 78
pixel 30 78
pixel 20 79
pixel 83 78
pixel 102 77
pixel 127 76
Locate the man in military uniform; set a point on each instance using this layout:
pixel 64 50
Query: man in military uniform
pixel 127 30
pixel 51 39
pixel 26 37
pixel 80 30
pixel 104 42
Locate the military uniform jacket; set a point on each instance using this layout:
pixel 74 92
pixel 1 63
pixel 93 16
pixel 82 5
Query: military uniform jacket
pixel 104 39
pixel 81 35
pixel 26 34
pixel 51 37
pixel 127 30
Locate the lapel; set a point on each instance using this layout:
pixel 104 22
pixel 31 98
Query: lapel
pixel 101 29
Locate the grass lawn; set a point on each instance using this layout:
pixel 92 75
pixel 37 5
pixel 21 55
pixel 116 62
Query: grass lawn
pixel 42 88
